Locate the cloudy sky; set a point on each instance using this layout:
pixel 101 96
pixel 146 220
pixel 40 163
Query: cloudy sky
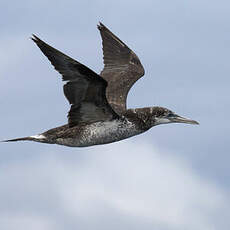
pixel 173 177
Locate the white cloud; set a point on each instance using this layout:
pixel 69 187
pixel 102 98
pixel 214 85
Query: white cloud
pixel 135 181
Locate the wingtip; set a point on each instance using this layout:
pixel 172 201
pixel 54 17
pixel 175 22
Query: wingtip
pixel 35 39
pixel 101 26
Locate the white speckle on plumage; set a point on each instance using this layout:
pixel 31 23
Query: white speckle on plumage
pixel 102 133
pixel 107 132
pixel 39 136
pixel 151 110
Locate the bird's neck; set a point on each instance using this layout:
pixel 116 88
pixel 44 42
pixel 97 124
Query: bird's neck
pixel 140 116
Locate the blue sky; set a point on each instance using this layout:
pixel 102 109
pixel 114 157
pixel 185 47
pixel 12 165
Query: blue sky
pixel 172 177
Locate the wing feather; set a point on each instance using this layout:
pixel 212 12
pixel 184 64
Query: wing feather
pixel 85 90
pixel 122 68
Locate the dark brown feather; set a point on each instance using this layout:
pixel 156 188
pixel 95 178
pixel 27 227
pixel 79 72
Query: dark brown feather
pixel 122 68
pixel 85 90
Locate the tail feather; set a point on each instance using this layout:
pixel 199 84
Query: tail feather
pixel 19 139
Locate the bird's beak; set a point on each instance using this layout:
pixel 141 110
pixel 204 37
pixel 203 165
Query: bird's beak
pixel 179 119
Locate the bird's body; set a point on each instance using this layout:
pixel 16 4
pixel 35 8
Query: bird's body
pixel 98 113
pixel 91 134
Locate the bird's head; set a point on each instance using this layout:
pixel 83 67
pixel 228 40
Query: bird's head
pixel 152 116
pixel 161 115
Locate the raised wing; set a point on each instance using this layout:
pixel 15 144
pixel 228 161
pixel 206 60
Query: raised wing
pixel 122 68
pixel 85 90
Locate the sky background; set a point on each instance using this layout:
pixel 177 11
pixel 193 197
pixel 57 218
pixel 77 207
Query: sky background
pixel 174 177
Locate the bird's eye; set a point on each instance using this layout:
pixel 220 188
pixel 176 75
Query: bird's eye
pixel 170 115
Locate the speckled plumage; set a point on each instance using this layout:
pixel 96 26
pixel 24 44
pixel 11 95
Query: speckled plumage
pixel 98 113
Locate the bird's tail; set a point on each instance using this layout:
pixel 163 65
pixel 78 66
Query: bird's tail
pixel 20 139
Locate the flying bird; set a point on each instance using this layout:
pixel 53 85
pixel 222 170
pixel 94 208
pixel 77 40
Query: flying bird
pixel 98 113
